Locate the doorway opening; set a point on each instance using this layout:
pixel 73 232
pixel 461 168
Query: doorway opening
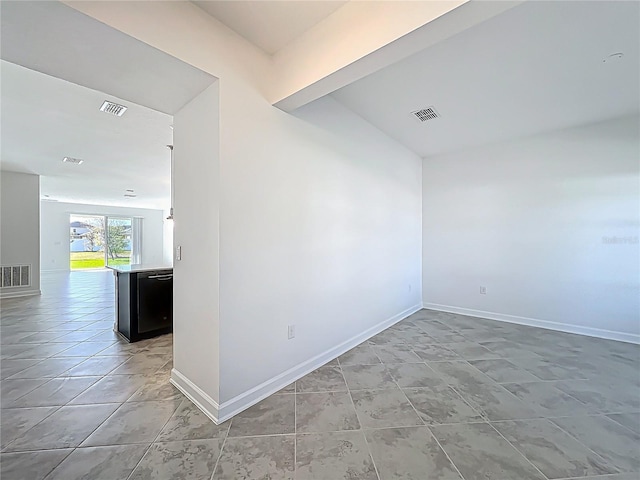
pixel 97 241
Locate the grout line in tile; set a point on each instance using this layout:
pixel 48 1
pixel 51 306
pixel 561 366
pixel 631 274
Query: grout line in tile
pixel 615 421
pixel 407 398
pixel 4 449
pixel 154 439
pixel 612 476
pixel 224 442
pixel 361 429
pixel 57 464
pixel 550 420
pixel 27 393
pixel 276 435
pixel 445 453
pixel 517 450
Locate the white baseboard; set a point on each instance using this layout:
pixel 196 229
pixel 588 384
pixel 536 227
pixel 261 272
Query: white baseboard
pixel 203 401
pixel 226 410
pixel 243 401
pixel 21 293
pixel 534 322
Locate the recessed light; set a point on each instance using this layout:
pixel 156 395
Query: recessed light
pixel 614 57
pixel 75 161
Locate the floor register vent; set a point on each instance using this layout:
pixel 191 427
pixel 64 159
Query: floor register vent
pixel 16 275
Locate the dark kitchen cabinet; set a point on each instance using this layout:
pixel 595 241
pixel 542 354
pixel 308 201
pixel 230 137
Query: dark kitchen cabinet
pixel 144 301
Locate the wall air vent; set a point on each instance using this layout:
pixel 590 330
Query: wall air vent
pixel 16 275
pixel 113 108
pixel 75 161
pixel 426 114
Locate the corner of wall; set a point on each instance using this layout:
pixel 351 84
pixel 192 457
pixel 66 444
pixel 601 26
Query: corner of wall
pixel 536 322
pixel 190 390
pixel 241 402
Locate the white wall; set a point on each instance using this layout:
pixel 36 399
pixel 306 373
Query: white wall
pixel 196 231
pixel 549 224
pixel 55 231
pixel 320 217
pixel 20 227
pixel 320 227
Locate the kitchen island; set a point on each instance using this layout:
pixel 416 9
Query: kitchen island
pixel 144 300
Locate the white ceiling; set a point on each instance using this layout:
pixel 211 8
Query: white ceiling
pixel 55 39
pixel 270 25
pixel 534 68
pixel 45 119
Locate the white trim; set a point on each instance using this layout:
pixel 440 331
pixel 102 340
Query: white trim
pixel 243 401
pixel 204 402
pixel 23 293
pixel 223 412
pixel 534 322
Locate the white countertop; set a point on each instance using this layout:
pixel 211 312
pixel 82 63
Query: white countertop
pixel 139 268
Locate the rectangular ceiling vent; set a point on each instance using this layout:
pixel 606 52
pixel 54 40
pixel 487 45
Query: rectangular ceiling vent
pixel 75 161
pixel 426 114
pixel 113 108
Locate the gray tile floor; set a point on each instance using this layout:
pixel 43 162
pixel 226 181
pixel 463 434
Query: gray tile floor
pixel 438 396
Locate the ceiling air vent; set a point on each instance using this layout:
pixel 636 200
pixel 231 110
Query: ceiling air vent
pixel 75 161
pixel 425 114
pixel 113 108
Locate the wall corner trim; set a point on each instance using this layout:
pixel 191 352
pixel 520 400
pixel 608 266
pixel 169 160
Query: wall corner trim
pixel 204 402
pixel 245 400
pixel 534 322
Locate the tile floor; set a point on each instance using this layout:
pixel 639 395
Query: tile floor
pixel 438 396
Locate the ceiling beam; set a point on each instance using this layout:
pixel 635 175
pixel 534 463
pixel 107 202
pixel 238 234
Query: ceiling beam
pixel 364 37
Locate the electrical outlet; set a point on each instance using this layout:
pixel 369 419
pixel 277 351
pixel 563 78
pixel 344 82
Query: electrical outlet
pixel 291 331
pixel 483 290
pixel 178 252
